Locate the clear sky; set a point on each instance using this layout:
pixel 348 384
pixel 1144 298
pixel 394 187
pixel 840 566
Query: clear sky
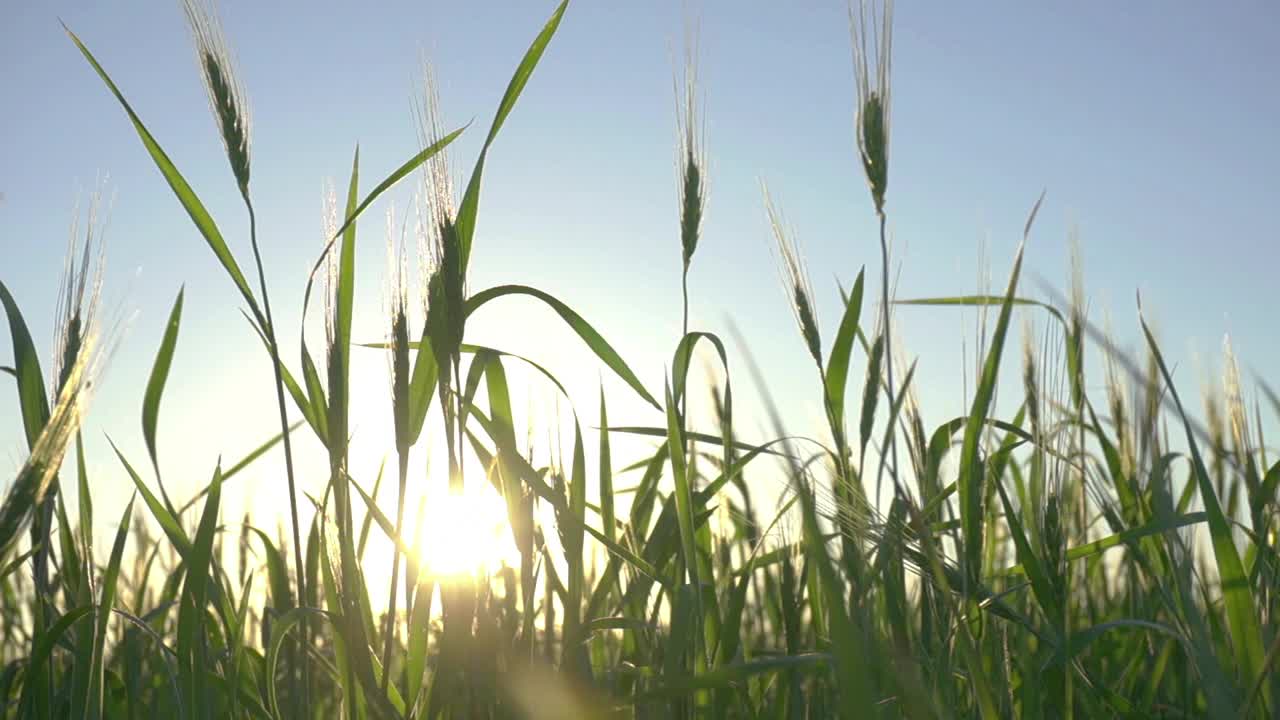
pixel 1151 124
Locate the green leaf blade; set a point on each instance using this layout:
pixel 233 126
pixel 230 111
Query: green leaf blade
pixel 159 376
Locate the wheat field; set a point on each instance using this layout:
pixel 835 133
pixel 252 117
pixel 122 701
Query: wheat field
pixel 1102 550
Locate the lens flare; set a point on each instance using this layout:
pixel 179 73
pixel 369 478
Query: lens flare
pixel 466 533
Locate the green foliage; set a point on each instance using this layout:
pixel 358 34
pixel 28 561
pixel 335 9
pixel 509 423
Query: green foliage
pixel 1048 568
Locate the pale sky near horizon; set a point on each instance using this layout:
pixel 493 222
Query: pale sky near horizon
pixel 1150 124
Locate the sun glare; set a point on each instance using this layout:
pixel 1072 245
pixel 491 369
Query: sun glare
pixel 466 533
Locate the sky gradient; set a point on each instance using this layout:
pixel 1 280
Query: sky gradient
pixel 1150 124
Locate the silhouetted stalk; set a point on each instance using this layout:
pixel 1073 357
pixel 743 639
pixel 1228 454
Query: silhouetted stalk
pixel 684 297
pixel 300 566
pixel 395 571
pixel 892 454
pixel 400 417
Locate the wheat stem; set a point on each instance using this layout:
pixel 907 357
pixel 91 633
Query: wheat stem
pixel 300 566
pixel 891 457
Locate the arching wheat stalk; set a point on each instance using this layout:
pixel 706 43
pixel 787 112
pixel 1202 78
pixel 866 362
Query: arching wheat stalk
pixel 231 112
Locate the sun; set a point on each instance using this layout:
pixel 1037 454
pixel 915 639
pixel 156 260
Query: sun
pixel 466 533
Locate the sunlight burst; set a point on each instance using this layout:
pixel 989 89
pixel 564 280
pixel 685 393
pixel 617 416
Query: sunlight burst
pixel 466 532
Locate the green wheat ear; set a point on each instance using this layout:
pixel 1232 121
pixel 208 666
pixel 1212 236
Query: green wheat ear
pixel 795 278
pixel 872 58
pixel 226 94
pixel 397 290
pixel 691 205
pixel 691 157
pixel 446 301
pixel 79 294
pixel 873 144
pixel 440 250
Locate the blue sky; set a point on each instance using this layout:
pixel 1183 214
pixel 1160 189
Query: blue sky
pixel 1151 125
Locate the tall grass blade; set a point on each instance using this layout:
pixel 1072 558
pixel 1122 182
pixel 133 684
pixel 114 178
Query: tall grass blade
pixel 43 648
pixel 593 339
pixel 192 660
pixel 396 176
pixel 32 396
pixel 159 376
pixel 837 373
pixel 971 482
pixel 1242 614
pixel 466 222
pixel 683 494
pixel 110 578
pixel 168 523
pixel 186 196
